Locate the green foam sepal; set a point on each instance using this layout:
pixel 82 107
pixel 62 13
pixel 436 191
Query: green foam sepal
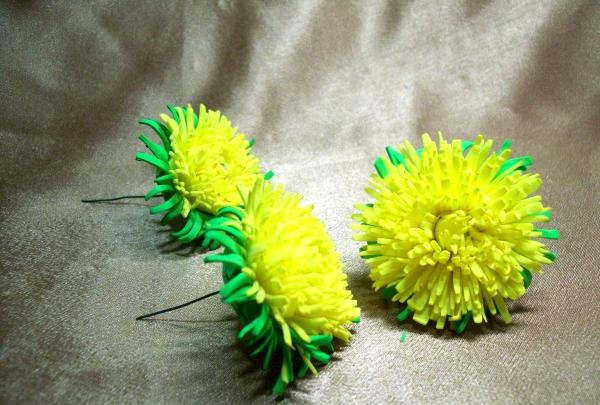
pixel 527 278
pixel 404 314
pixel 460 326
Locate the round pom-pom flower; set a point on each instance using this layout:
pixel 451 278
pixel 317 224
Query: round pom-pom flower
pixel 199 166
pixel 284 278
pixel 450 233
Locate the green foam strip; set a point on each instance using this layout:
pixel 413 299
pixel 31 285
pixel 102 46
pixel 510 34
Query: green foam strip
pixel 525 162
pixel 222 240
pixel 244 331
pixel 170 203
pixel 213 246
pixel 404 314
pixel 230 230
pixel 320 356
pixel 261 320
pixel 527 278
pixel 186 227
pixel 238 297
pixel 465 145
pixel 218 221
pixel 162 188
pixel 261 347
pixel 160 130
pixel 231 258
pixel 173 111
pixel 380 167
pixel 396 157
pixel 548 233
pixel 193 233
pixel 320 340
pixel 279 387
pixel 505 145
pixel 154 161
pixel 269 352
pixel 461 325
pixel 303 368
pixel 164 178
pixel 389 292
pixel 231 210
pixel 174 213
pixel 247 328
pixel 550 255
pixel 547 214
pixel 155 148
pixel 287 358
pixel 269 175
pixel 182 114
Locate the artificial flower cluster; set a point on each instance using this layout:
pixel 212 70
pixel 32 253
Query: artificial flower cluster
pixel 450 235
pixel 451 230
pixel 281 271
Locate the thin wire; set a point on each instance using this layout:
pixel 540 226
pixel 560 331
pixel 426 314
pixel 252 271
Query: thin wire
pixel 162 311
pixel 124 197
pixel 139 318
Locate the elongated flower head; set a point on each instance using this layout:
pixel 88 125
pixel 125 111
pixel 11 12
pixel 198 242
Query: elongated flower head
pixel 284 278
pixel 201 163
pixel 450 233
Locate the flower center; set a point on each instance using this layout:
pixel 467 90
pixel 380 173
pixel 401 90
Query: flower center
pixel 451 230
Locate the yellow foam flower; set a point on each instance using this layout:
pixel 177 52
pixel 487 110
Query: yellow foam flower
pixel 284 278
pixel 200 166
pixel 452 235
pixel 209 160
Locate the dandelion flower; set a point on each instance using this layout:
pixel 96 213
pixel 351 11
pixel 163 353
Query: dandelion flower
pixel 451 236
pixel 200 165
pixel 284 279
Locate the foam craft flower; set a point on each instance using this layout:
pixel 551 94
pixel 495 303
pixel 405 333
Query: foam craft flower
pixel 451 236
pixel 200 165
pixel 284 279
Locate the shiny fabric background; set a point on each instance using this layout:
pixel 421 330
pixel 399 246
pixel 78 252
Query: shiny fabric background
pixel 323 86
